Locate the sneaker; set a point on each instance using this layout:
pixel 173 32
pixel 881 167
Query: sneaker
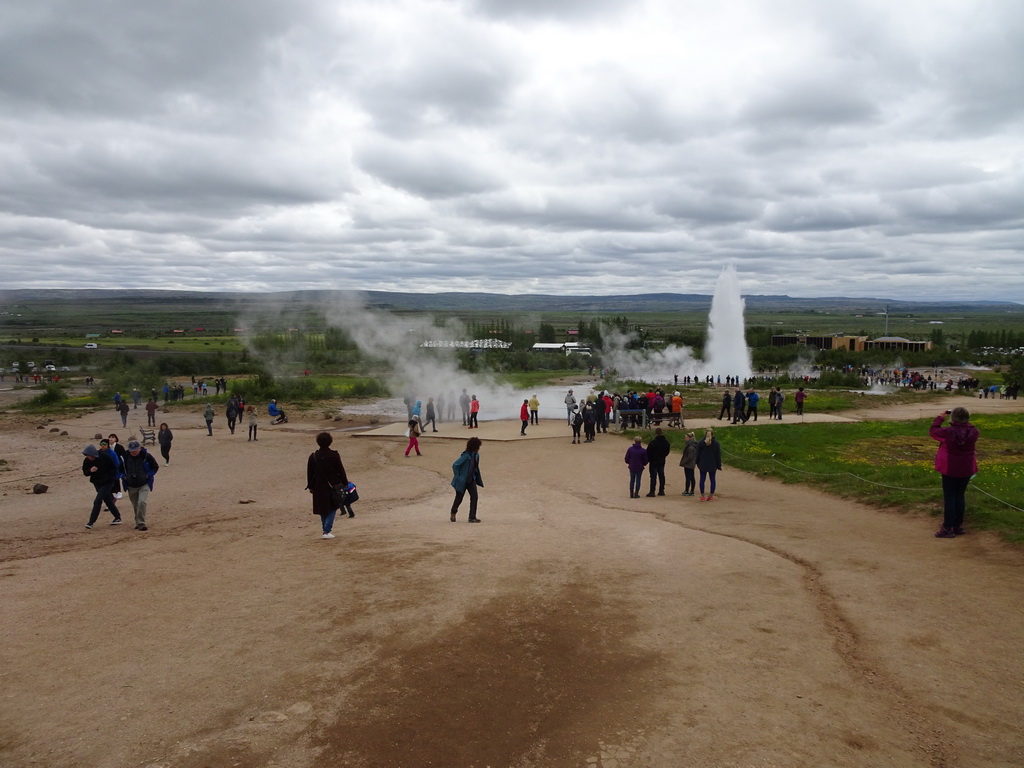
pixel 118 495
pixel 959 531
pixel 116 522
pixel 327 536
pixel 89 526
pixel 703 498
pixel 474 519
pixel 711 498
pixel 141 528
pixel 945 533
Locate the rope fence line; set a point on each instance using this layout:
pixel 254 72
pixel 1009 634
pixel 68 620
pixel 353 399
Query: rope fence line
pixel 864 479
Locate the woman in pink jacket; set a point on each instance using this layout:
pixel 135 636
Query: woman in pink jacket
pixel 957 464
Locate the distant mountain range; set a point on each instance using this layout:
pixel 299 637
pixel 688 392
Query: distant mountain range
pixel 620 303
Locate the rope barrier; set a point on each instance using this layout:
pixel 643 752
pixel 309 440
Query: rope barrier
pixel 864 479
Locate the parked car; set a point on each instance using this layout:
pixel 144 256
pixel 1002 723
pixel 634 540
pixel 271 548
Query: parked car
pixel 92 345
pixel 64 369
pixel 51 368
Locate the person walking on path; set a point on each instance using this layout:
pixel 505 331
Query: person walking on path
pixel 957 462
pixel 253 421
pixel 232 414
pixel 474 412
pixel 466 477
pixel 414 434
pixel 524 417
pixel 122 408
pixel 324 470
pixel 738 404
pixel 534 406
pixel 102 473
pixel 151 409
pixel 752 400
pixel 709 462
pixel 165 437
pixel 139 469
pixel 208 415
pixel 726 407
pixel 431 418
pixel 636 460
pixel 688 462
pixel 118 453
pixel 657 454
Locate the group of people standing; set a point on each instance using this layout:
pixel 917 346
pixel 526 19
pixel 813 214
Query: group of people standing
pixel 704 455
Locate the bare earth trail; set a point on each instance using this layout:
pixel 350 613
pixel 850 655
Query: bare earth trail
pixel 775 626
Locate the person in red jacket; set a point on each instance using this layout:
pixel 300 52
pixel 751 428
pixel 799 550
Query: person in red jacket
pixel 956 462
pixel 524 416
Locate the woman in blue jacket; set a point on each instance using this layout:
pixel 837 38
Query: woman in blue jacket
pixel 466 477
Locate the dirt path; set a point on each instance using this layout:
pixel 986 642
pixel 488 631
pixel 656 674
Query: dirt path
pixel 775 626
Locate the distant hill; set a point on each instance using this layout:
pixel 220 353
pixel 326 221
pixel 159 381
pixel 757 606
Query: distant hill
pixel 468 302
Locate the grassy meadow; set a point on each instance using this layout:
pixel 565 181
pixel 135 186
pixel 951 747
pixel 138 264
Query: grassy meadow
pixel 888 464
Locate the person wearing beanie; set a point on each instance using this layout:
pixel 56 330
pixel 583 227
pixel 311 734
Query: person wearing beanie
pixel 102 473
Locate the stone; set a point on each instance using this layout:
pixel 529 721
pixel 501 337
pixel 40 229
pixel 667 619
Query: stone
pixel 40 488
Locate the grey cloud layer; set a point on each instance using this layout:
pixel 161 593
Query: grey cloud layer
pixel 576 147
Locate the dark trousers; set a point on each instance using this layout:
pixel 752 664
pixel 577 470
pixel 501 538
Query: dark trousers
pixel 165 451
pixel 231 424
pixel 726 411
pixel 954 501
pixel 526 423
pixel 252 431
pixel 691 481
pixel 104 495
pixel 473 497
pixel 657 477
pixel 534 418
pixel 752 411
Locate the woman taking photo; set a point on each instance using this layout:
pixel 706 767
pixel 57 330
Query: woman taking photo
pixel 956 462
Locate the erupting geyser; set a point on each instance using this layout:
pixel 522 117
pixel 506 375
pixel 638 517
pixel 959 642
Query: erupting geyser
pixel 727 352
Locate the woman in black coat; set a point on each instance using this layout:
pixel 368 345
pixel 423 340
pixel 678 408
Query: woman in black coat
pixel 323 470
pixel 709 461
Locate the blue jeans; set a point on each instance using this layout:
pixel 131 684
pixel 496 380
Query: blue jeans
pixel 703 474
pixel 328 520
pixel 634 482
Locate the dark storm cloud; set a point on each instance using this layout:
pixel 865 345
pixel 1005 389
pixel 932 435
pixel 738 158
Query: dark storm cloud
pixel 591 145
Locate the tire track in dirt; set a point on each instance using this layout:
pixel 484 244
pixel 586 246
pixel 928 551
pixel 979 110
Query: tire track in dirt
pixel 849 648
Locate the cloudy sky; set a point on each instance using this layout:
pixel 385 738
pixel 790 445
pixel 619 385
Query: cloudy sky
pixel 862 148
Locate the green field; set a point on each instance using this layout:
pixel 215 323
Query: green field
pixel 888 464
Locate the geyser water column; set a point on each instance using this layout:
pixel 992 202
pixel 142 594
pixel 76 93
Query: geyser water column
pixel 726 353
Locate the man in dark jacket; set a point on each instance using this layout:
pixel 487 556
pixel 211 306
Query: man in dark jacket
pixel 101 471
pixel 738 404
pixel 726 407
pixel 139 468
pixel 657 452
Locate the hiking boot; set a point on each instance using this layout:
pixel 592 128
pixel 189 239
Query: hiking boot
pixel 945 533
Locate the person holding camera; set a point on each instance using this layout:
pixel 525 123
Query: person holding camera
pixel 957 463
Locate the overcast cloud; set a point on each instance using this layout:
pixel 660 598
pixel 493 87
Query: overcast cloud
pixel 866 148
